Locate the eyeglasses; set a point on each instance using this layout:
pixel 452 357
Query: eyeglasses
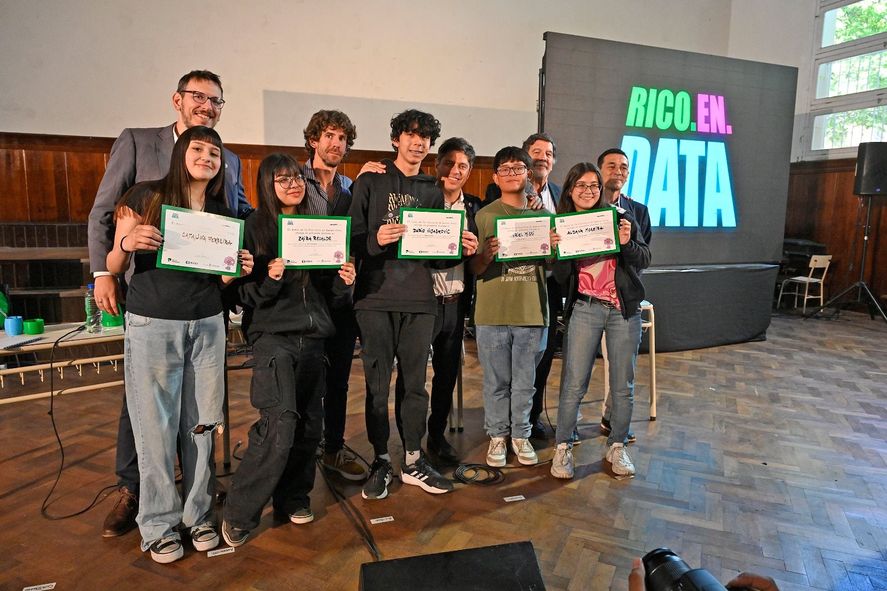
pixel 511 170
pixel 288 182
pixel 201 97
pixel 583 187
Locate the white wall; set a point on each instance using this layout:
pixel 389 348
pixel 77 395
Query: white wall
pixel 84 67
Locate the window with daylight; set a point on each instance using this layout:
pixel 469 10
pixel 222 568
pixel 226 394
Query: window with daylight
pixel 849 102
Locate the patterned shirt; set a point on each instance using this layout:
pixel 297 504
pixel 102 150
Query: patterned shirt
pixel 317 201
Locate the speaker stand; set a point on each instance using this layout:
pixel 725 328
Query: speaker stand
pixel 861 286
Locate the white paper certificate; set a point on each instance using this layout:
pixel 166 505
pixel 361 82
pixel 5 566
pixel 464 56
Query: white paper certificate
pixel 198 241
pixel 523 237
pixel 587 233
pixel 431 233
pixel 314 242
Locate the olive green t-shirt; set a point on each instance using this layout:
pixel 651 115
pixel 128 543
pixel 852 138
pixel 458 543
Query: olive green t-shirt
pixel 510 293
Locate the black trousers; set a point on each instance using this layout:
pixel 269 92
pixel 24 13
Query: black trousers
pixel 449 327
pixel 384 337
pixel 287 388
pixel 543 368
pixel 339 350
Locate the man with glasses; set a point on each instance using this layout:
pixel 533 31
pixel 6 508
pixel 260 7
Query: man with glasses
pixel 510 316
pixel 614 171
pixel 143 154
pixel 328 137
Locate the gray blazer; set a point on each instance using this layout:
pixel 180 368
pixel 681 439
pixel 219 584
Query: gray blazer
pixel 143 154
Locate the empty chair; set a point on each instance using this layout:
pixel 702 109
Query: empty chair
pixel 809 287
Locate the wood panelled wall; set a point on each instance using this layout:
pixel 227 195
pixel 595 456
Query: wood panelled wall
pixel 47 178
pixel 50 178
pixel 823 208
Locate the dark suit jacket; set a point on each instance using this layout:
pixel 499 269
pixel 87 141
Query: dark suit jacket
pixel 640 213
pixel 143 154
pixel 493 192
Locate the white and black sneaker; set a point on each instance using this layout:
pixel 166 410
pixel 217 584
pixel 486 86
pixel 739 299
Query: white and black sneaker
pixel 166 550
pixel 376 486
pixel 423 475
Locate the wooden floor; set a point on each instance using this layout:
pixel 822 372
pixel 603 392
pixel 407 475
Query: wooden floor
pixel 767 456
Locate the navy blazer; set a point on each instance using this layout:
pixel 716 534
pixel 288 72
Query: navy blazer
pixel 143 154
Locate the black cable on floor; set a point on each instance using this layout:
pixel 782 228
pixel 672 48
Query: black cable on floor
pixel 44 506
pixel 351 512
pixel 478 474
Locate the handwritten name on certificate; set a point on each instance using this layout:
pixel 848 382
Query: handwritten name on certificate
pixel 587 233
pixel 314 242
pixel 199 242
pixel 431 233
pixel 523 237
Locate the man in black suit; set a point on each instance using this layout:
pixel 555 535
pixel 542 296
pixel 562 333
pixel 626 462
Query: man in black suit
pixel 143 154
pixel 614 171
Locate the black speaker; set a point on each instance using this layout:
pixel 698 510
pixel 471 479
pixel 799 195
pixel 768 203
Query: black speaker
pixel 871 169
pixel 505 567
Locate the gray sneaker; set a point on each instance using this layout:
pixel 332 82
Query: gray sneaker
pixel 562 463
pixel 301 516
pixel 526 455
pixel 496 452
pixel 618 462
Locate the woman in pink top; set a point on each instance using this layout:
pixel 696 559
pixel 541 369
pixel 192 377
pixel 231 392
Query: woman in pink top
pixel 603 301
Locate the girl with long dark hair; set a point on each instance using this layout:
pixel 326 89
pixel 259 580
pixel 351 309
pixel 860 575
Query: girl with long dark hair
pixel 286 319
pixel 603 301
pixel 174 349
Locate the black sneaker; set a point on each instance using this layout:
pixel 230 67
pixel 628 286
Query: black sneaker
pixel 538 431
pixel 423 475
pixel 233 537
pixel 605 429
pixel 376 486
pixel 441 448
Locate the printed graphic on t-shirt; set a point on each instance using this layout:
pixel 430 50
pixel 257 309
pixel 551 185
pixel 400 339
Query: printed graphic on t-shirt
pixel 518 271
pixel 395 202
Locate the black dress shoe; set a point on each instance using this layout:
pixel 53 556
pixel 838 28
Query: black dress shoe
pixel 122 517
pixel 537 430
pixel 442 449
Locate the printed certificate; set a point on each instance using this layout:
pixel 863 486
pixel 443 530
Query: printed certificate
pixel 431 233
pixel 523 237
pixel 587 233
pixel 198 241
pixel 314 242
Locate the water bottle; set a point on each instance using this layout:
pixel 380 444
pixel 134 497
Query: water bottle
pixel 93 312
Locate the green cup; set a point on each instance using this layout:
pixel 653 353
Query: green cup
pixel 33 326
pixel 111 320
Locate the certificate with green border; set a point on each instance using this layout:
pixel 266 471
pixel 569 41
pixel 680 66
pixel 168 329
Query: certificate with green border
pixel 313 241
pixel 199 242
pixel 431 233
pixel 523 237
pixel 587 233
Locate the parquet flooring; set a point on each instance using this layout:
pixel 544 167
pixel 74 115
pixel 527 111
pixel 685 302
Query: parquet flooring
pixel 767 456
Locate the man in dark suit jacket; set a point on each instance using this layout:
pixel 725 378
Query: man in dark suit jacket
pixel 143 154
pixel 614 172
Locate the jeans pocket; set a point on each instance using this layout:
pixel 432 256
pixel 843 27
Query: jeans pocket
pixel 264 390
pixel 136 320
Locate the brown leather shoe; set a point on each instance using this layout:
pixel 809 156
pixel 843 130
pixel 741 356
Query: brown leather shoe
pixel 122 517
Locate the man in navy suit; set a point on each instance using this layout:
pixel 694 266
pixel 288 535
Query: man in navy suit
pixel 614 172
pixel 143 154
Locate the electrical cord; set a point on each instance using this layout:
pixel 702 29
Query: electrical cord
pixel 44 506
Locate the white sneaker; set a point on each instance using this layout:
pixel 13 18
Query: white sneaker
pixel 496 453
pixel 620 465
pixel 526 455
pixel 562 463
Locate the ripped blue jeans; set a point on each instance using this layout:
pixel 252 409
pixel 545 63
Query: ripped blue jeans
pixel 174 373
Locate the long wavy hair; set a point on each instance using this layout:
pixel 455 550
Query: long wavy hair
pixel 566 204
pixel 175 188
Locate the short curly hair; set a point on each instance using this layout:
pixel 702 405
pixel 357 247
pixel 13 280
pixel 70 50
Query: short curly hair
pixel 422 123
pixel 324 119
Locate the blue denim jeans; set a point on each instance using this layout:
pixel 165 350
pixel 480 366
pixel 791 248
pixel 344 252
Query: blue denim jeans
pixel 588 323
pixel 508 356
pixel 174 390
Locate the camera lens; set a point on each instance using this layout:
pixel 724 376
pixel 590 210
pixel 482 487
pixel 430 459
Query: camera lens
pixel 667 572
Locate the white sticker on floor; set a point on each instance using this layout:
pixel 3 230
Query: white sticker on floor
pixel 515 498
pixel 379 520
pixel 43 587
pixel 219 552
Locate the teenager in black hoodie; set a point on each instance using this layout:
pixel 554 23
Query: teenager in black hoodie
pixel 394 300
pixel 286 319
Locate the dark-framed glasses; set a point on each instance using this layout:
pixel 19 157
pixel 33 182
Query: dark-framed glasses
pixel 511 170
pixel 583 187
pixel 288 182
pixel 201 97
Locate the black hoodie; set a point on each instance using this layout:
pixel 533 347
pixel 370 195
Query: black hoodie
pixel 384 282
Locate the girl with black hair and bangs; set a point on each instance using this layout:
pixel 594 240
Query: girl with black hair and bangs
pixel 286 319
pixel 174 349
